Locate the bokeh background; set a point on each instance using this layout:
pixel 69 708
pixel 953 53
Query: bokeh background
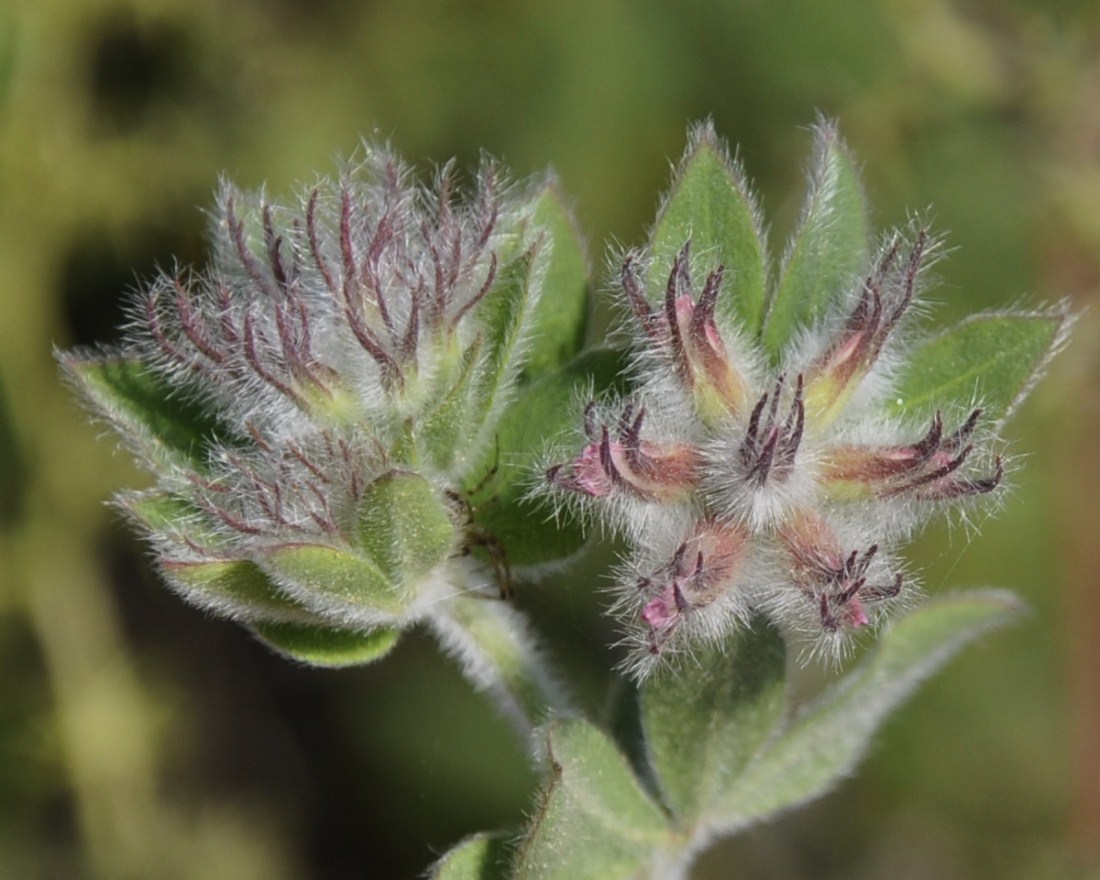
pixel 139 739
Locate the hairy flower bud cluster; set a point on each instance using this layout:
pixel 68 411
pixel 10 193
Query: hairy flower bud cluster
pixel 325 314
pixel 316 402
pixel 744 484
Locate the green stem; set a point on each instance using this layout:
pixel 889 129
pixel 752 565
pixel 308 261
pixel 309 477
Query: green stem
pixel 494 646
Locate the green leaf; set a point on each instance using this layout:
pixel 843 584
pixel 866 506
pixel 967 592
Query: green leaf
pixel 829 246
pixel 165 427
pixel 235 588
pixel 446 423
pixel 334 582
pixel 504 315
pixel 990 360
pixel 561 313
pixel 406 527
pixel 480 857
pixel 405 530
pixel 547 410
pixel 824 744
pixel 624 726
pixel 593 819
pixel 711 204
pixel 327 646
pixel 705 721
pixel 164 515
pixel 240 589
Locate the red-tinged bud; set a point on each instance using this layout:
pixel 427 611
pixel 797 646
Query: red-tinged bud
pixel 884 299
pixel 771 442
pixel 624 461
pixel 835 582
pixel 929 468
pixel 701 570
pixel 686 331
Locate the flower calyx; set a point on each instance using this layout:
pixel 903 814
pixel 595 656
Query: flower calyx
pixel 685 334
pixel 619 460
pixel 885 296
pixel 929 469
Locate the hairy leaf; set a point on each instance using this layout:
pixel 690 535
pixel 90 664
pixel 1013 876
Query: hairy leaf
pixel 711 204
pixel 480 857
pixel 165 426
pixel 167 515
pixel 593 820
pixel 705 720
pixel 405 526
pixel 825 743
pixel 505 315
pixel 236 588
pixel 829 246
pixel 990 360
pixel 502 507
pixel 561 313
pixel 444 425
pixel 335 583
pixel 327 646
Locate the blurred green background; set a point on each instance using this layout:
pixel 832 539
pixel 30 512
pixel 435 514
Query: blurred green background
pixel 139 739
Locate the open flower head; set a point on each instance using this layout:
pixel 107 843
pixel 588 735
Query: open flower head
pixel 793 433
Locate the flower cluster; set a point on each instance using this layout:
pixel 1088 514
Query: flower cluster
pixel 315 404
pixel 750 483
pixel 344 413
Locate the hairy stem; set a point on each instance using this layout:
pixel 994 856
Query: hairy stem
pixel 497 652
